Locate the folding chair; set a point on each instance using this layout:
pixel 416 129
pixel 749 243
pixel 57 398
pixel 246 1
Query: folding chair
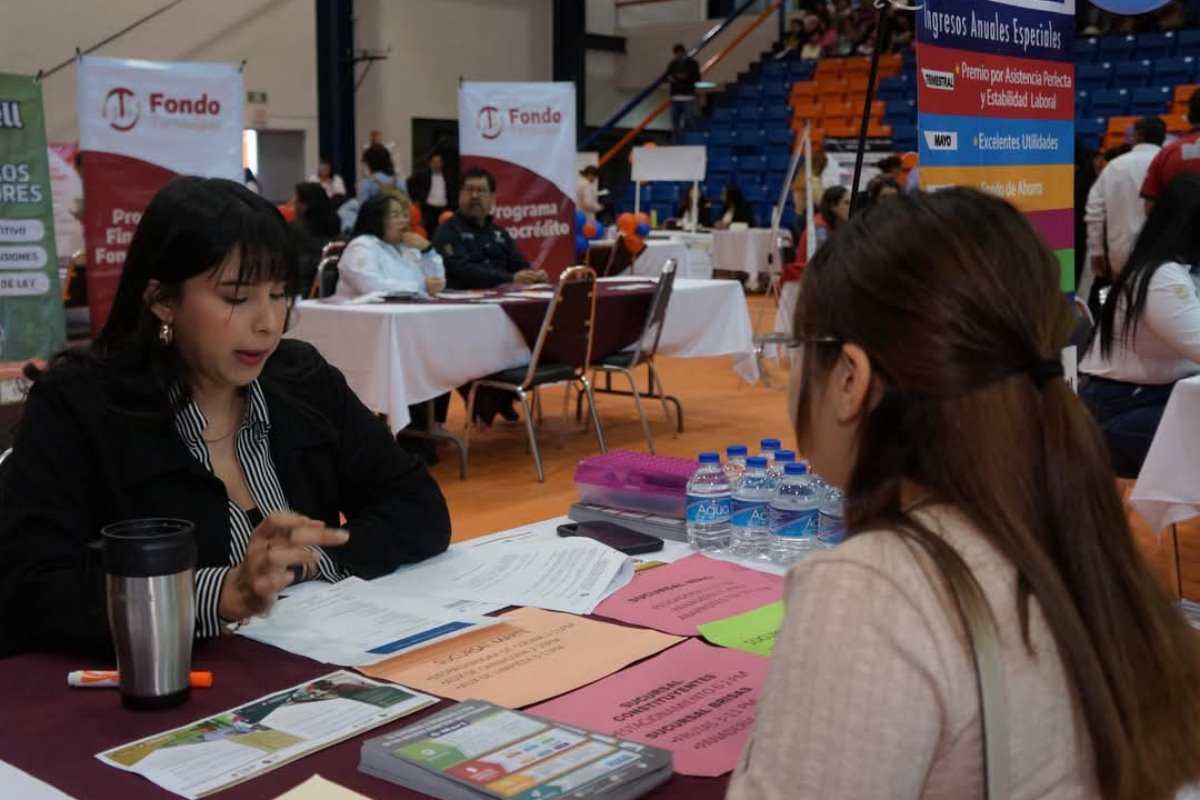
pixel 610 258
pixel 647 345
pixel 326 279
pixel 568 326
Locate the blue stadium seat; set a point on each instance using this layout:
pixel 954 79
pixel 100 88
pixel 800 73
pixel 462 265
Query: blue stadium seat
pixel 1093 76
pixel 1110 102
pixel 1083 103
pixel 800 70
pixel 1189 43
pixel 779 113
pixel 754 191
pixel 779 161
pixel 1118 48
pixel 720 137
pixel 1174 70
pixel 904 137
pixel 1156 100
pixel 896 88
pixel 1134 74
pixel 1156 45
pixel 748 114
pixel 694 137
pixel 776 92
pixel 1090 130
pixel 774 69
pixel 723 114
pixel 752 91
pixel 781 137
pixel 1086 50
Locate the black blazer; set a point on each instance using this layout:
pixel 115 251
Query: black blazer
pixel 91 451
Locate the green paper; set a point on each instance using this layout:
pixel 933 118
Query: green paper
pixel 754 631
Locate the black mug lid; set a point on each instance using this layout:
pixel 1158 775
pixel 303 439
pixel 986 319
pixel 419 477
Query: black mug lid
pixel 143 548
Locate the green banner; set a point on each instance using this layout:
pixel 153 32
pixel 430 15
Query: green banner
pixel 31 312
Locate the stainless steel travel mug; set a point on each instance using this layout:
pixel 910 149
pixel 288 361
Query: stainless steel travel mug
pixel 149 566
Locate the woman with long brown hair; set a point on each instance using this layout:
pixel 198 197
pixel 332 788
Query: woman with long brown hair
pixel 929 386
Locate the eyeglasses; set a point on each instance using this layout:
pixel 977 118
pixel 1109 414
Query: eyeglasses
pixel 799 341
pixel 482 191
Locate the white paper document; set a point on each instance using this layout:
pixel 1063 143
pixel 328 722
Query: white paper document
pixel 355 623
pixel 573 574
pixel 225 749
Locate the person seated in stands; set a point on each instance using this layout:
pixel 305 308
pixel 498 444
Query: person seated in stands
pixel 190 404
pixel 385 255
pixel 987 550
pixel 686 218
pixel 1148 334
pixel 734 208
pixel 478 253
pixel 793 39
pixel 315 226
pixel 379 175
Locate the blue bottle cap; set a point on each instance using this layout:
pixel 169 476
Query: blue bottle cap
pixel 710 458
pixel 756 462
pixel 784 456
pixel 769 444
pixel 736 450
pixel 796 468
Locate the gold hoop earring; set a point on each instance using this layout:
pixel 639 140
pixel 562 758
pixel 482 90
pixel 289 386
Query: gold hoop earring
pixel 166 334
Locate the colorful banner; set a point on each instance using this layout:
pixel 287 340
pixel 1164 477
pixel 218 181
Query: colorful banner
pixel 996 107
pixel 142 123
pixel 31 313
pixel 524 134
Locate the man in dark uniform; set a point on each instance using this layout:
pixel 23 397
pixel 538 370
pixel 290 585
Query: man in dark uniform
pixel 478 253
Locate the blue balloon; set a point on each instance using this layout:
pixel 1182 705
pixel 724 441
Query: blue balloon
pixel 599 230
pixel 642 229
pixel 1129 6
pixel 580 219
pixel 581 244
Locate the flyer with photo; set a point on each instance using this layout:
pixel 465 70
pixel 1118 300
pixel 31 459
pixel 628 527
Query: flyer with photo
pixel 231 747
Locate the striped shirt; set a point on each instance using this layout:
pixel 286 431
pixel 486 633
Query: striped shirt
pixel 253 453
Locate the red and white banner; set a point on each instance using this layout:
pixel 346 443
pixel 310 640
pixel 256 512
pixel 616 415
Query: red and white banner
pixel 524 134
pixel 142 123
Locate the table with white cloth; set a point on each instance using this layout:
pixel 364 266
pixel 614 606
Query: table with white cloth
pixel 395 354
pixel 745 251
pixel 692 257
pixel 1168 487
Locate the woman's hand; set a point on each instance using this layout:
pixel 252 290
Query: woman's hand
pixel 280 542
pixel 434 285
pixel 415 240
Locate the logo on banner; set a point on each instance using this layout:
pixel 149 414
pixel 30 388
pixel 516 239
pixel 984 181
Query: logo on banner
pixel 121 109
pixel 490 122
pixel 936 79
pixel 10 115
pixel 941 140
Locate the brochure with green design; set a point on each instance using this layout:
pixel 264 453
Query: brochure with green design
pixel 477 750
pixel 244 742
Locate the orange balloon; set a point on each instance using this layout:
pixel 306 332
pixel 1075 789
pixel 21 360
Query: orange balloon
pixel 589 229
pixel 626 223
pixel 908 161
pixel 635 243
pixel 445 215
pixel 643 217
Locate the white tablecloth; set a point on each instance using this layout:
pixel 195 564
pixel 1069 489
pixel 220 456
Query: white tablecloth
pixel 396 355
pixel 742 251
pixel 691 257
pixel 1168 487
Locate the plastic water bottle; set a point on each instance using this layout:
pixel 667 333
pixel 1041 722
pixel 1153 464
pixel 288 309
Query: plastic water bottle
pixel 735 462
pixel 750 525
pixel 767 448
pixel 832 527
pixel 779 464
pixel 708 505
pixel 795 515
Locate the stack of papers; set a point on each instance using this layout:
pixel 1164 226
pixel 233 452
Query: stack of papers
pixel 479 750
pixel 223 750
pixel 355 623
pixel 572 575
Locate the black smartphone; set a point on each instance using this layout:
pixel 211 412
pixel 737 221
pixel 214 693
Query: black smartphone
pixel 618 538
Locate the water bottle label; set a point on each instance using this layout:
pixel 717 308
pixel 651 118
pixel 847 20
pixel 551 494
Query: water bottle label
pixel 794 524
pixel 708 508
pixel 832 529
pixel 750 514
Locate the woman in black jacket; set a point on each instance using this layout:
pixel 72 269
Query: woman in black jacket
pixel 190 404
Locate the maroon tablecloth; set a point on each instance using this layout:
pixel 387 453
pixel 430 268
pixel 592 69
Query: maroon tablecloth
pixel 53 732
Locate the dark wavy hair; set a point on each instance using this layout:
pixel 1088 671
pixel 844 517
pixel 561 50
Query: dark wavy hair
pixel 378 159
pixel 954 298
pixel 374 210
pixel 319 217
pixel 191 226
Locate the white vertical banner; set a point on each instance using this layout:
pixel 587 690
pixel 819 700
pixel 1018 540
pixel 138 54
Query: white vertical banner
pixel 142 123
pixel 524 134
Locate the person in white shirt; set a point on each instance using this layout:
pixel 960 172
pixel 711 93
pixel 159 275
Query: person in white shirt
pixel 385 256
pixel 330 182
pixel 431 191
pixel 587 192
pixel 1115 210
pixel 1148 334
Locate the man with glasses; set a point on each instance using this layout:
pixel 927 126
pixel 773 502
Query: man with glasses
pixel 477 252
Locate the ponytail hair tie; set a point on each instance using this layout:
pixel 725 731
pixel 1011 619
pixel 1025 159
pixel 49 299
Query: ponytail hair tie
pixel 1045 369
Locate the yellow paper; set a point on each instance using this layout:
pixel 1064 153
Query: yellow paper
pixel 534 655
pixel 317 788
